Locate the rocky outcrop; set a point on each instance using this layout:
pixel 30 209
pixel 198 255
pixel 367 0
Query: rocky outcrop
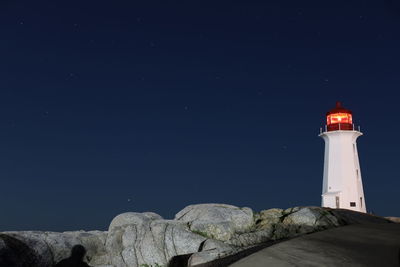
pixel 198 234
pixel 217 221
pixel 153 242
pixel 46 248
pixel 300 221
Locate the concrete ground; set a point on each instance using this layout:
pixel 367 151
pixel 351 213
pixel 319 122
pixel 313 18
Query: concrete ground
pixel 375 245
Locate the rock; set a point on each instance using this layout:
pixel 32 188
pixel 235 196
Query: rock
pixel 294 221
pixel 252 238
pixel 212 250
pixel 393 219
pixel 16 253
pixel 268 218
pixel 303 220
pixel 114 247
pixel 212 244
pixel 218 221
pixel 218 230
pixel 208 256
pixel 130 218
pixel 311 216
pixel 354 245
pixel 136 239
pixel 35 241
pixel 353 217
pixel 51 247
pixel 198 234
pixel 61 244
pixel 291 210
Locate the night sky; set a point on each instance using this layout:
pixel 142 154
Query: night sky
pixel 115 106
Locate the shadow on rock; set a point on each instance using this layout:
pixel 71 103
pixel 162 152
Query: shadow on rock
pixel 78 253
pixel 15 253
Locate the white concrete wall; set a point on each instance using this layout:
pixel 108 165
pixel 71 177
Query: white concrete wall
pixel 342 174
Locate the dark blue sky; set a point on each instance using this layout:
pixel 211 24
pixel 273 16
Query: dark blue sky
pixel 126 106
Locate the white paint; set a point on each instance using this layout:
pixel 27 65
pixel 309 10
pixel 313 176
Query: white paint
pixel 342 183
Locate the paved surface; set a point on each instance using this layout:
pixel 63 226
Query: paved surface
pixel 375 245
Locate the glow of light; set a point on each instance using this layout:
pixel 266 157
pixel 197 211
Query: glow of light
pixel 339 118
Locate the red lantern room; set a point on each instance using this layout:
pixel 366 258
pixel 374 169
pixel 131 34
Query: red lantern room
pixel 339 118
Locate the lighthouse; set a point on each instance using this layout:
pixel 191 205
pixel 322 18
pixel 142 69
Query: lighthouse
pixel 342 184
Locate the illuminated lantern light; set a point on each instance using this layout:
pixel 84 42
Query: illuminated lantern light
pixel 339 118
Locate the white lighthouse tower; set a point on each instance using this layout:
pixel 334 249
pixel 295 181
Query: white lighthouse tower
pixel 342 185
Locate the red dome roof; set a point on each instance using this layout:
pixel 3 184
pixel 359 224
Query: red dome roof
pixel 339 109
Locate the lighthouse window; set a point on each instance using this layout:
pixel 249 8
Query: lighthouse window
pixel 352 204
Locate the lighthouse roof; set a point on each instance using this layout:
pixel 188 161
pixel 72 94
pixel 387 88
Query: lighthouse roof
pixel 339 109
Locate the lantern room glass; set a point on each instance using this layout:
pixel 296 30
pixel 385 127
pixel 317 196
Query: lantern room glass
pixel 337 118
